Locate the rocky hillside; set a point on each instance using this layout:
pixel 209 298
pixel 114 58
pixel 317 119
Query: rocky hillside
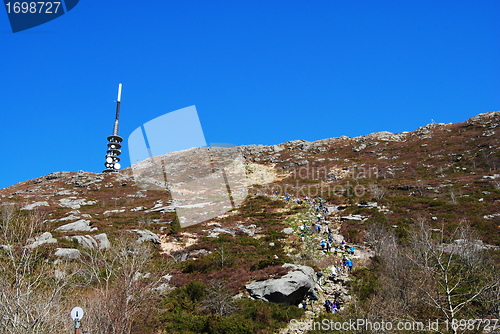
pixel 443 175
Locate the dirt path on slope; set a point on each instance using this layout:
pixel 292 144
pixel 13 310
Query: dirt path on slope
pixel 329 287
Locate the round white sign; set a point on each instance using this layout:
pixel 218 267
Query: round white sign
pixel 77 313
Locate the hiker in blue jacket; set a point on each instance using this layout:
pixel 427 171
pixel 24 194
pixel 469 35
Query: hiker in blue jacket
pixel 349 265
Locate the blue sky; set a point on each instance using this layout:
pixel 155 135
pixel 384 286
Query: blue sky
pixel 259 72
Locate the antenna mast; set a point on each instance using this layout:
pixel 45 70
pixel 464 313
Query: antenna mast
pixel 112 163
pixel 115 128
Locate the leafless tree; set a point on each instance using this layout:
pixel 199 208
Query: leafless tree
pixel 378 192
pixel 218 300
pixel 490 160
pixel 420 188
pixel 396 293
pixel 433 275
pixel 451 275
pixel 222 257
pixel 381 239
pixel 453 197
pixel 31 288
pixel 122 289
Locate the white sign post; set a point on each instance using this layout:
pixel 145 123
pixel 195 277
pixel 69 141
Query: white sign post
pixel 77 314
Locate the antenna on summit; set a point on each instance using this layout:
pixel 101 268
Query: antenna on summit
pixel 112 163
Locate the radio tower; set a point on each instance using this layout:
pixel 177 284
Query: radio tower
pixel 112 163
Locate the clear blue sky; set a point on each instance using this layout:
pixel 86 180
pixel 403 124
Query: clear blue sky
pixel 259 72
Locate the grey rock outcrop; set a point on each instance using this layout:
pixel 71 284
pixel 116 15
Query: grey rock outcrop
pixel 162 208
pixel 68 253
pixel 84 240
pixel 387 136
pixel 109 212
pixel 74 203
pixel 81 225
pixel 369 205
pixel 250 230
pixel 34 205
pixel 70 217
pixel 99 241
pixel 165 286
pixel 354 217
pixel 102 240
pixel 145 235
pixel 218 230
pixel 45 238
pixel 289 289
pixel 359 148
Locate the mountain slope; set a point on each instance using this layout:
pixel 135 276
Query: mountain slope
pixel 443 174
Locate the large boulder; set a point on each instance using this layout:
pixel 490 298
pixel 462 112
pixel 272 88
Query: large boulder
pixel 290 289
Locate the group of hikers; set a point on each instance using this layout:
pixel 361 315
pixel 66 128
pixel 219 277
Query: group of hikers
pixel 345 265
pixel 326 246
pixel 330 306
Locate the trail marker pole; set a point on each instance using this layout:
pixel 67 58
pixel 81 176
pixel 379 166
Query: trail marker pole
pixel 77 314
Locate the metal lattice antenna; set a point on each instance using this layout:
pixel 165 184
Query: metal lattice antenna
pixel 112 163
pixel 115 127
